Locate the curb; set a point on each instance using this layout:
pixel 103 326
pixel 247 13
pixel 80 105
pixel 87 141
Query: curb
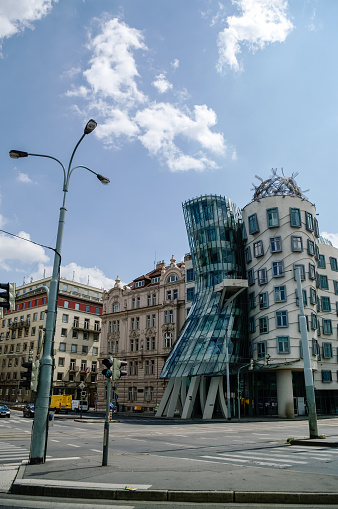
pixel 105 493
pixel 313 442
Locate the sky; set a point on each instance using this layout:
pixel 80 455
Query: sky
pixel 191 98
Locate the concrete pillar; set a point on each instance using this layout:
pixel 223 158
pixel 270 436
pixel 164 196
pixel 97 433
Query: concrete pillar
pixel 285 393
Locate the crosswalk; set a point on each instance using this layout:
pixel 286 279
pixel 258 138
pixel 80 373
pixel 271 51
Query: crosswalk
pixel 277 457
pixel 12 455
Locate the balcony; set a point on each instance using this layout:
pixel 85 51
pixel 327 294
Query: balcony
pixel 19 324
pixel 83 326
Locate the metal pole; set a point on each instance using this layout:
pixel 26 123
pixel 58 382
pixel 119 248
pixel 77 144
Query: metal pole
pixel 310 393
pixel 228 377
pixel 40 429
pixel 106 427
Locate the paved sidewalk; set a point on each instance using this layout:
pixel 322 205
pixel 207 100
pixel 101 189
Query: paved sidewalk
pixel 161 478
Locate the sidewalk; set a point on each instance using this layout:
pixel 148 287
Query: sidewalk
pixel 161 478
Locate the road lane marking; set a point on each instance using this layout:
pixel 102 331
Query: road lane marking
pixel 263 463
pixel 95 450
pixel 73 445
pixel 60 459
pixel 53 440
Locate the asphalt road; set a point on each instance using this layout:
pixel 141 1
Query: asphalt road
pixel 258 444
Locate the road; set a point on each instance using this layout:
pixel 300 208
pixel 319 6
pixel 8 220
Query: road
pixel 258 444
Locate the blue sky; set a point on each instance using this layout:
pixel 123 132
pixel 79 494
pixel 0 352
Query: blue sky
pixel 191 98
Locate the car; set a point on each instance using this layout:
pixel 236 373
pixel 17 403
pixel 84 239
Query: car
pixel 4 411
pixel 29 410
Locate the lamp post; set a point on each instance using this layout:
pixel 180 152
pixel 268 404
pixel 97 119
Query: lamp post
pixel 40 427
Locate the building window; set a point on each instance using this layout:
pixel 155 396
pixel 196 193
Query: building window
pixel 313 297
pixel 59 377
pixel 155 279
pixel 333 263
pixel 147 321
pixel 272 217
pixel 168 294
pixel 77 307
pixel 252 300
pixel 252 324
pixel 278 269
pixel 74 348
pixel 253 224
pixel 327 350
pixel 261 349
pixel 264 325
pixel 137 323
pixel 61 361
pixel 66 304
pixel 327 326
pixel 87 309
pixel 153 320
pixel 296 243
pixel 302 271
pixel 309 221
pixel 310 247
pixel 258 248
pixel 280 293
pixel 262 276
pixel 190 294
pixel 321 262
pixel 250 277
pixel 190 275
pixel 247 254
pixel 132 323
pixel 154 299
pixel 312 271
pixel 314 321
pixel 263 300
pixel 326 303
pixel 116 307
pixel 275 244
pixel 65 318
pixel 326 376
pixel 283 344
pixel 169 316
pixel 84 350
pixel 295 217
pixel 323 282
pixel 62 347
pixel 133 303
pixel 168 340
pixel 335 287
pixel 95 350
pixel 138 284
pixel 138 302
pixel 282 319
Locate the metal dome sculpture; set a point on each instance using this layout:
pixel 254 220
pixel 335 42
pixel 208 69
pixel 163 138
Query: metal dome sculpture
pixel 277 185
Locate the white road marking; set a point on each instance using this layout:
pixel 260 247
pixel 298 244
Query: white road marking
pixel 264 463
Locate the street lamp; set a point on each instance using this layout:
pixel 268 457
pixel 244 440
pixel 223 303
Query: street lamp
pixel 40 428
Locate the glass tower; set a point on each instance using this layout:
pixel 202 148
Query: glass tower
pixel 214 227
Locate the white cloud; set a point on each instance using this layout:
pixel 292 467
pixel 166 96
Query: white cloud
pixel 162 123
pixel 333 237
pixel 23 178
pixel 122 109
pixel 261 22
pixel 13 249
pixel 175 64
pixel 17 15
pixel 162 84
pixel 113 69
pixel 3 221
pixel 85 275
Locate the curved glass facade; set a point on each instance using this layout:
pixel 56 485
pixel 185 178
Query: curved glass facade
pixel 214 228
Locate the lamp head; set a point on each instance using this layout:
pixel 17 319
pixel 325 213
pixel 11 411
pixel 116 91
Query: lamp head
pixel 91 124
pixel 102 179
pixel 15 154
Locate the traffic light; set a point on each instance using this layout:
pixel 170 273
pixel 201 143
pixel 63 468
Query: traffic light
pixel 108 363
pixel 7 298
pixel 266 360
pixel 117 372
pixel 27 375
pixel 35 375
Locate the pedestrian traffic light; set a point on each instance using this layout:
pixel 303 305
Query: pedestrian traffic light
pixel 7 298
pixel 27 375
pixel 108 363
pixel 266 360
pixel 117 372
pixel 35 375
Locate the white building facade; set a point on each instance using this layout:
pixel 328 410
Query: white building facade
pixel 282 234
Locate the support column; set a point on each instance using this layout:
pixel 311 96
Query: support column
pixel 285 393
pixel 191 396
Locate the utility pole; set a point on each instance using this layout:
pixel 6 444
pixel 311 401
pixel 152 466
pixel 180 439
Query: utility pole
pixel 310 393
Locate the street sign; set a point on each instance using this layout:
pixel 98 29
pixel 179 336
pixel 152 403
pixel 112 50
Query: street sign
pixel 116 396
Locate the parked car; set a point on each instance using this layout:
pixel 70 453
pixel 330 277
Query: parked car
pixel 4 411
pixel 28 410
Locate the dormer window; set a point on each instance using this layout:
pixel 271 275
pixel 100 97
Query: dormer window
pixel 139 283
pixel 155 279
pixel 172 278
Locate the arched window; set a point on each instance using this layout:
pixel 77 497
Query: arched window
pixel 172 278
pixel 116 307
